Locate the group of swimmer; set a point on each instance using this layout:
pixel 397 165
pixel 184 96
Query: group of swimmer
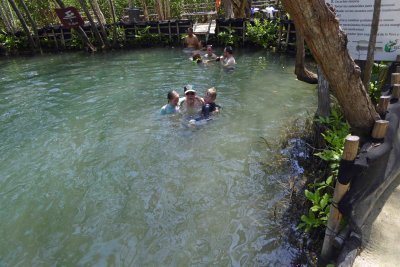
pixel 198 108
pixel 192 42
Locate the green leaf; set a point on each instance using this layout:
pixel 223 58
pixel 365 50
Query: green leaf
pixel 315 208
pixel 324 201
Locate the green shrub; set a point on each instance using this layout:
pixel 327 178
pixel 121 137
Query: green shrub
pixel 228 37
pixel 378 76
pixel 263 33
pixel 322 192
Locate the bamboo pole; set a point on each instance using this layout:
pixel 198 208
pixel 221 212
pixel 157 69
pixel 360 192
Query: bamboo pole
pixel 395 78
pixel 100 19
pixel 93 25
pixel 4 17
pixel 33 25
pixel 24 25
pixel 112 9
pixel 396 91
pixel 379 130
pixel 349 154
pixel 383 104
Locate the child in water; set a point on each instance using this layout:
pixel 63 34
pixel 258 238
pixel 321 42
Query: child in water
pixel 197 58
pixel 210 107
pixel 172 106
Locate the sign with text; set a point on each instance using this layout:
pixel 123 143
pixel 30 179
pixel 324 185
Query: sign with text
pixel 355 18
pixel 69 17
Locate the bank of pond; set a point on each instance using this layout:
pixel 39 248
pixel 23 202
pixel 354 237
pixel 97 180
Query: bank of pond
pixel 276 34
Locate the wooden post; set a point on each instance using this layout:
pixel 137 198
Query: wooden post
pixel 62 38
pixel 380 128
pixel 332 228
pixel 395 78
pixel 169 29
pixel 383 104
pixel 396 91
pixel 54 37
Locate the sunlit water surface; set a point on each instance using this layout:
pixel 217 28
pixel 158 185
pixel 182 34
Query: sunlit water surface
pixel 92 175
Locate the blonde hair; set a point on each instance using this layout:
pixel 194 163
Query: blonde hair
pixel 212 92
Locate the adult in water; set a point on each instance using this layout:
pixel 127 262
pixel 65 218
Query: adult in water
pixel 210 54
pixel 227 60
pixel 192 104
pixel 191 41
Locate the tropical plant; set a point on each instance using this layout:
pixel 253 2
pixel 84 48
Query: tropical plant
pixel 378 76
pixel 228 37
pixel 145 38
pixel 337 130
pixel 262 32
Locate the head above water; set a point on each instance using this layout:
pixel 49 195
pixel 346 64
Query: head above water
pixel 187 87
pixel 209 49
pixel 197 58
pixel 228 50
pixel 211 95
pixel 173 97
pixel 190 92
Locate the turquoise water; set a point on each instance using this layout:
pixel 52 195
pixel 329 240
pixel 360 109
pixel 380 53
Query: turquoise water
pixel 92 175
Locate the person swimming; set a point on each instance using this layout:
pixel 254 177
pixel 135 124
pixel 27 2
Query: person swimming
pixel 197 58
pixel 172 105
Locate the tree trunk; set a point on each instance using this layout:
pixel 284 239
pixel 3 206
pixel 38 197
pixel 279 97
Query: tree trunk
pixel 96 32
pixel 302 73
pixel 228 9
pixel 100 19
pixel 145 11
pixel 167 9
pixel 239 7
pixel 24 25
pixel 79 30
pixel 324 101
pixel 33 24
pixel 159 9
pixel 323 110
pixel 114 22
pixel 328 44
pixel 371 46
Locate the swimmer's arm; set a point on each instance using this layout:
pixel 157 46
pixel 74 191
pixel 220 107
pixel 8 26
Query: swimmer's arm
pixel 199 98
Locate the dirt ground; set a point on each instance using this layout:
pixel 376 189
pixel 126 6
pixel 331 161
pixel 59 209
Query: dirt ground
pixel 382 246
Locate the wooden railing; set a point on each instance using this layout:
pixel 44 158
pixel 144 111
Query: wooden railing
pixel 199 9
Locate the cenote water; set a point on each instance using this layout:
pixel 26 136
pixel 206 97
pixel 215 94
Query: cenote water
pixel 92 175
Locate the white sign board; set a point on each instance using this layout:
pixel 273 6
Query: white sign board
pixel 355 18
